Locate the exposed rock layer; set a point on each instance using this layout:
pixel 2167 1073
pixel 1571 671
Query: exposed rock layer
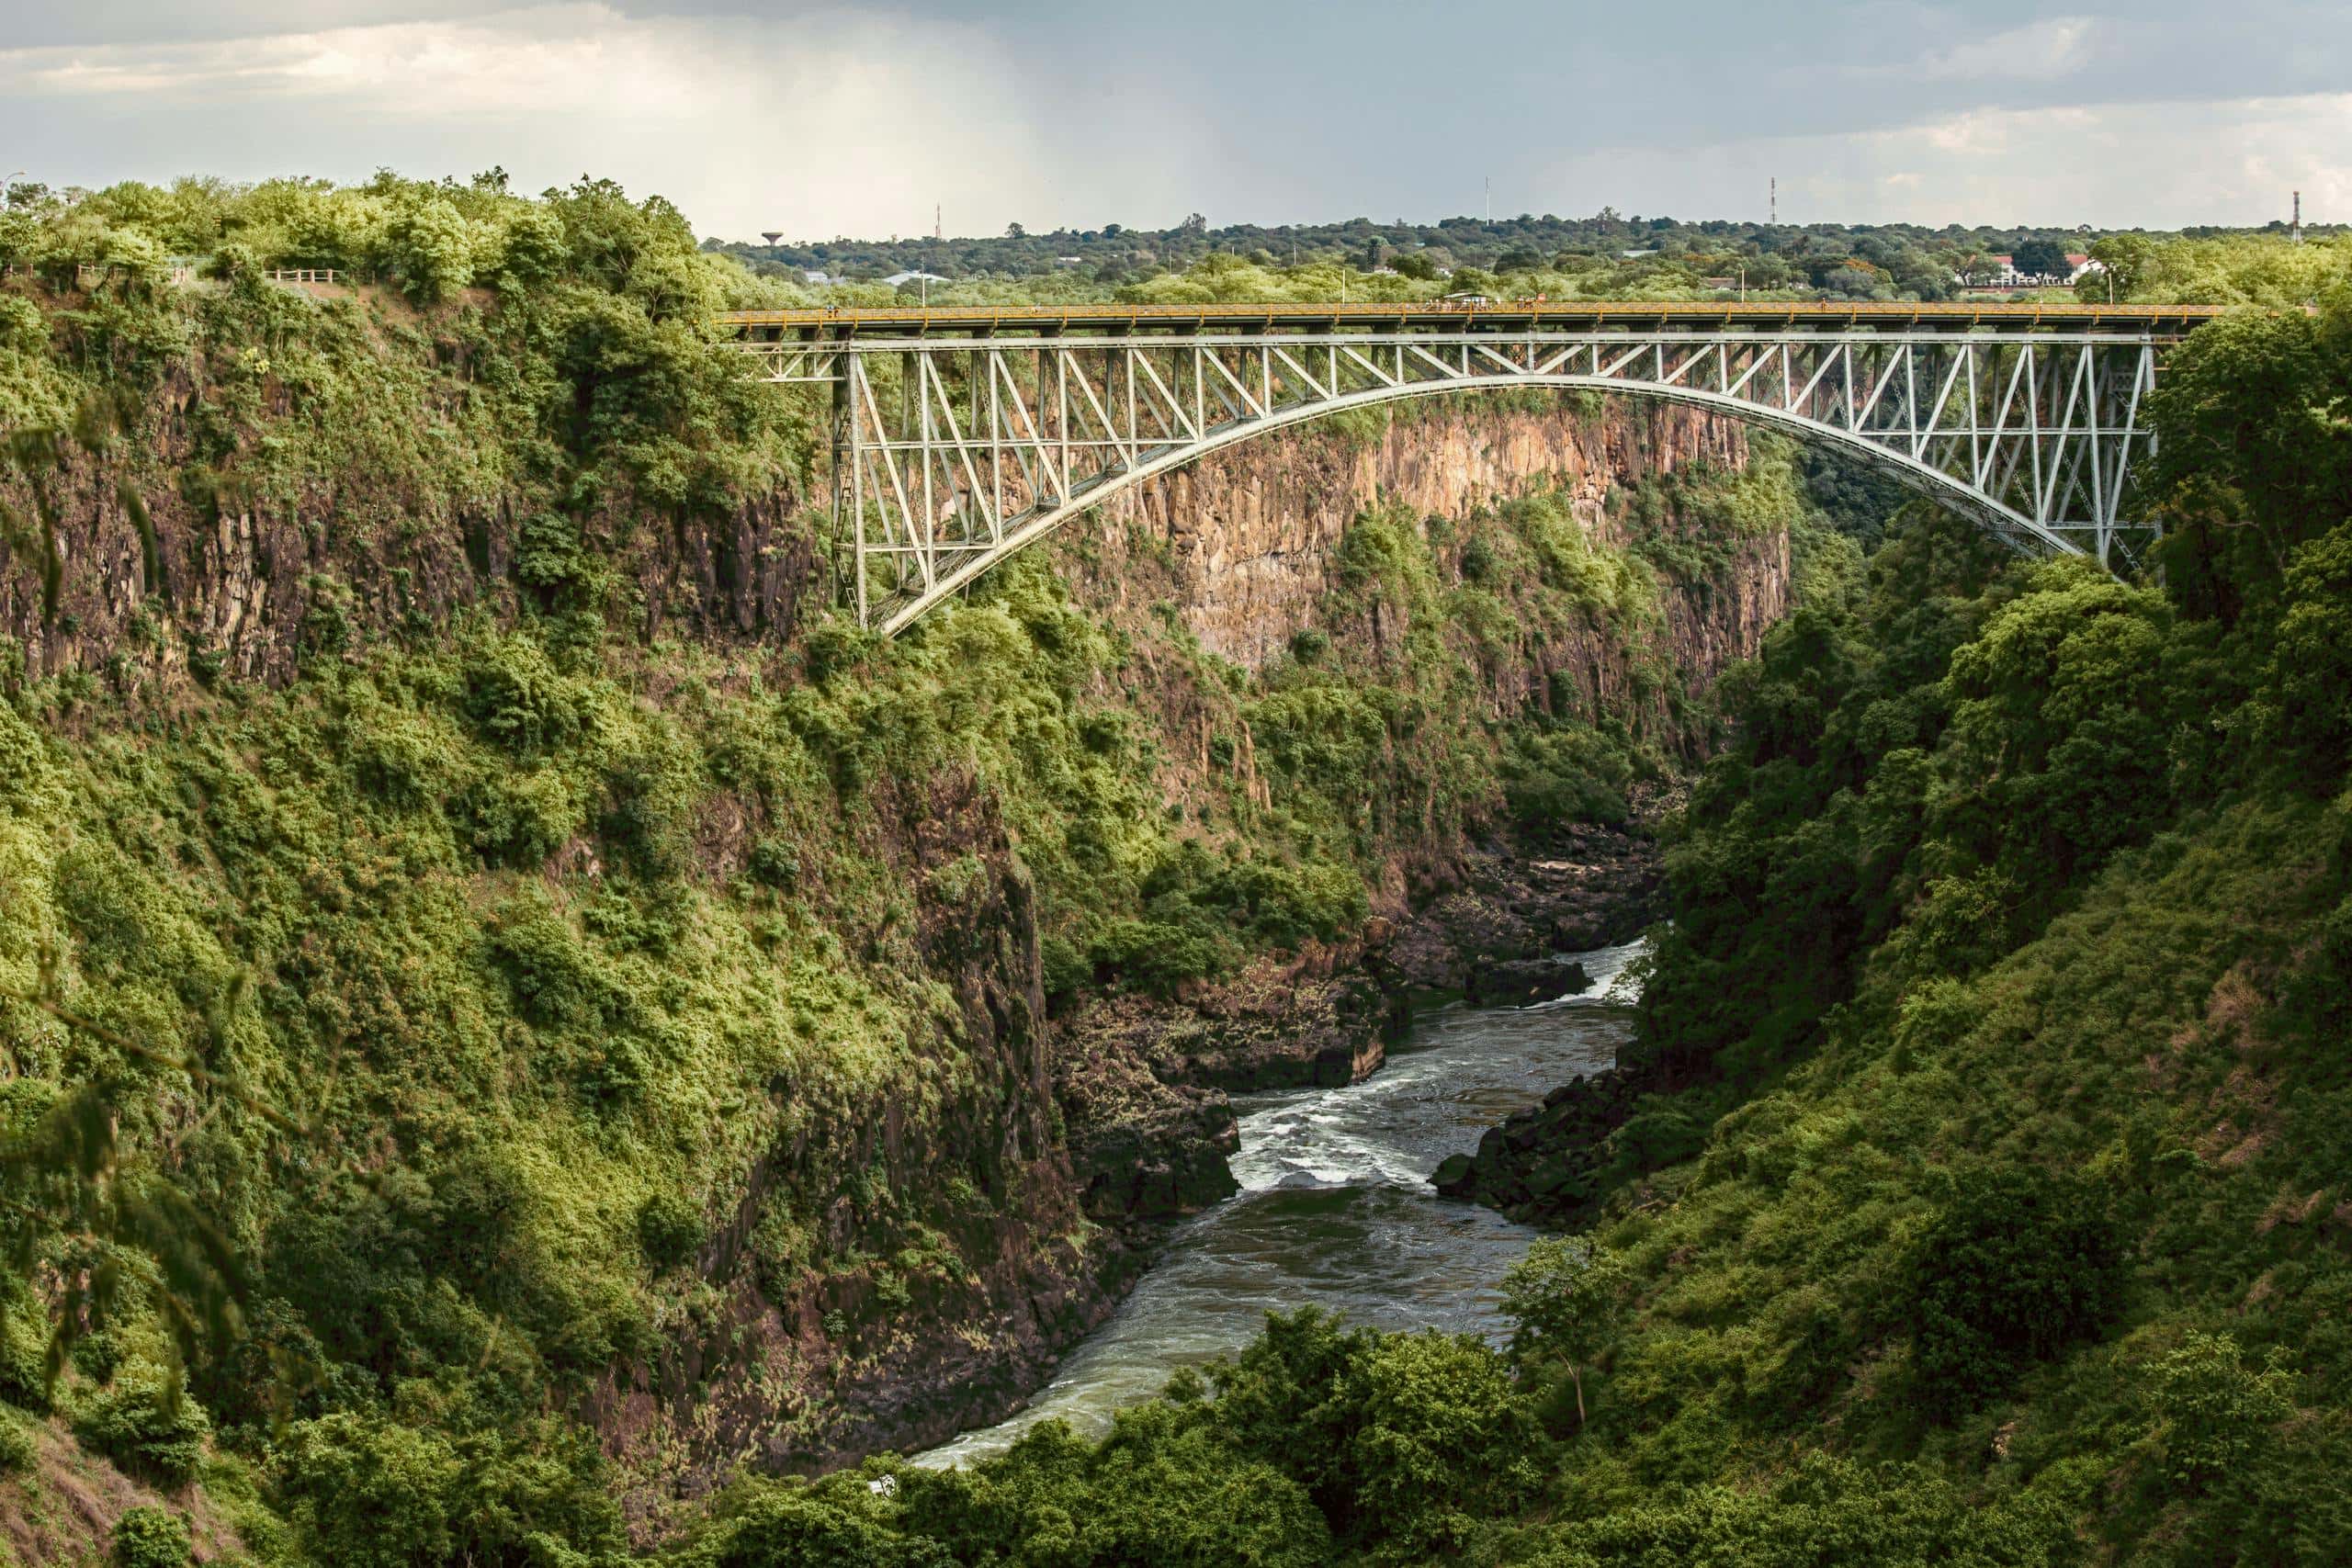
pixel 1243 542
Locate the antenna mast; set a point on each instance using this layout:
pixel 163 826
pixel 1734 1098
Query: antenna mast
pixel 2295 230
pixel 1776 201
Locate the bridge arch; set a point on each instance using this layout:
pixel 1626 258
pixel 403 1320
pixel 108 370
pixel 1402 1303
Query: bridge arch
pixel 961 437
pixel 1034 525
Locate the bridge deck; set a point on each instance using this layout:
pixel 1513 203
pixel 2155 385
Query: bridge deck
pixel 2160 322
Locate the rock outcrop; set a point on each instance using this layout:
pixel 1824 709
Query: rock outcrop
pixel 1243 543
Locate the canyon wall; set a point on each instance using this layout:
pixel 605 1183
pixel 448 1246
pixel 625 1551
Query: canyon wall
pixel 1071 1137
pixel 1243 541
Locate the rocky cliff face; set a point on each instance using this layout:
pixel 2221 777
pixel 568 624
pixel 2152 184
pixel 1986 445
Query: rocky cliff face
pixel 1243 542
pixel 956 1248
pixel 1242 548
pixel 103 554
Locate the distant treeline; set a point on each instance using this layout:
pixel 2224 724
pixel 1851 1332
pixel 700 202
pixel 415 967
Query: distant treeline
pixel 1846 259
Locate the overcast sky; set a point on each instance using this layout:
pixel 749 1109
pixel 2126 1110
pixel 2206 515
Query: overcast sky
pixel 818 121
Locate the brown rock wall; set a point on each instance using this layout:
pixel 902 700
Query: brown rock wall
pixel 1250 530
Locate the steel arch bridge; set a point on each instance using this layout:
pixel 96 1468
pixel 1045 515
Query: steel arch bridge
pixel 962 435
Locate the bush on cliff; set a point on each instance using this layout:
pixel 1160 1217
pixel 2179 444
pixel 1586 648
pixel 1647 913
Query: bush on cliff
pixel 2016 1266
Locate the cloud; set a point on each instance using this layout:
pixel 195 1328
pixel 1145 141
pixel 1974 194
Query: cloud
pixel 2045 51
pixel 816 119
pixel 2153 166
pixel 836 122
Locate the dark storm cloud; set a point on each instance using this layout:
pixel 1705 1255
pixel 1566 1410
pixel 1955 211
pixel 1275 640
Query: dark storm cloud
pixel 1061 111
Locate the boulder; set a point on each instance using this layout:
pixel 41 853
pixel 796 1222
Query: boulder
pixel 1522 982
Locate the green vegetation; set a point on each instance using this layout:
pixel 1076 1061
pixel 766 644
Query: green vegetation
pixel 150 1537
pixel 402 1054
pixel 501 1003
pixel 1607 255
pixel 1987 1202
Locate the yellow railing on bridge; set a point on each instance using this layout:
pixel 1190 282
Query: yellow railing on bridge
pixel 2160 320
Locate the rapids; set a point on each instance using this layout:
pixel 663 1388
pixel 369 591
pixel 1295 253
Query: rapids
pixel 1335 1208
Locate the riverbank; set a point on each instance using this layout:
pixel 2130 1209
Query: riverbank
pixel 1329 1208
pixel 1144 1081
pixel 1147 1085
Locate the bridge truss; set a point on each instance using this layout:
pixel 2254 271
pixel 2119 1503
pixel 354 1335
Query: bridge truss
pixel 953 453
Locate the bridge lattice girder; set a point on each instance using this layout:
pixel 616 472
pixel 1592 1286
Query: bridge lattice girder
pixel 950 455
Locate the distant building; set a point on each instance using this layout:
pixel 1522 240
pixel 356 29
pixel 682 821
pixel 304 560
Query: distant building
pixel 1068 261
pixel 2001 272
pixel 900 279
pixel 1990 272
pixel 815 277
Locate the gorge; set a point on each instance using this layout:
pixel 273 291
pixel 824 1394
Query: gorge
pixel 533 1039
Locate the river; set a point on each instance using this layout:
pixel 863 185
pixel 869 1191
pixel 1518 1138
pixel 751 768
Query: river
pixel 1335 1208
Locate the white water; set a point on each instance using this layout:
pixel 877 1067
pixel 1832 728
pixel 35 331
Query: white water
pixel 1335 1208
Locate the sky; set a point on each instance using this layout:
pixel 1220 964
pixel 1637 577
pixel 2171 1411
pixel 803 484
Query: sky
pixel 816 121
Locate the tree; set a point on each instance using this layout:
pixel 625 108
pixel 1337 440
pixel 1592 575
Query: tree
pixel 2213 1412
pixel 1565 1297
pixel 2020 1263
pixel 2254 455
pixel 1015 232
pixel 431 246
pixel 2040 258
pixel 2123 261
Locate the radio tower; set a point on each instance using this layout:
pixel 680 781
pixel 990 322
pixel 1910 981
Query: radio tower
pixel 938 230
pixel 1776 201
pixel 2295 229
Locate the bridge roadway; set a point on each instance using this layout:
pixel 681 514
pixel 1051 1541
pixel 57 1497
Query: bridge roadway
pixel 962 434
pixel 2163 322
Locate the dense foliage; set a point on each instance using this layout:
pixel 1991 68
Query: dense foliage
pixel 1987 1203
pixel 1607 255
pixel 387 1052
pixel 396 1054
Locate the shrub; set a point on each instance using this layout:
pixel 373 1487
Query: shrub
pixel 518 699
pixel 774 862
pixel 1157 956
pixel 366 1493
pixel 1568 774
pixel 24 1363
pixel 789 1527
pixel 1165 1487
pixel 1405 1439
pixel 518 819
pixel 2214 1413
pixel 2018 1264
pixel 148 1425
pixel 669 1228
pixel 16 1449
pixel 151 1537
pixel 1446 1440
